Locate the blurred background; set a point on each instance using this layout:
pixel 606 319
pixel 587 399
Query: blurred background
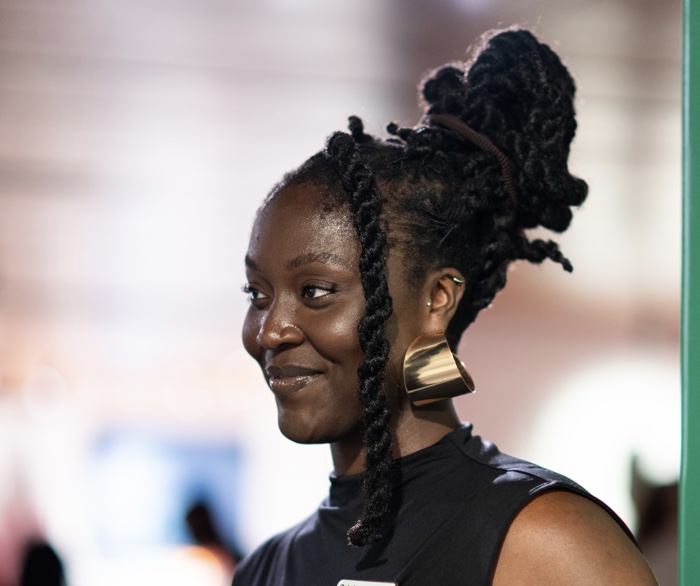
pixel 138 443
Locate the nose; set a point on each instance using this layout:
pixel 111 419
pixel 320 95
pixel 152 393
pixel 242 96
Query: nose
pixel 277 328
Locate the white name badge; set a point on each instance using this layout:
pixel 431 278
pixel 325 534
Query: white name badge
pixel 364 583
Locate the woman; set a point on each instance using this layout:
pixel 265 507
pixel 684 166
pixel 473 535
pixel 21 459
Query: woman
pixel 364 265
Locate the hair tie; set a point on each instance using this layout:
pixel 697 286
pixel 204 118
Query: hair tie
pixel 479 140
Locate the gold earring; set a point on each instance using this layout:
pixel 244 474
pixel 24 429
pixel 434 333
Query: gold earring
pixel 431 372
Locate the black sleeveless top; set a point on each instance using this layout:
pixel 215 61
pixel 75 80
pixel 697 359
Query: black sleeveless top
pixel 456 502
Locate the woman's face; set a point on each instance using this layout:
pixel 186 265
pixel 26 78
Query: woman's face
pixel 306 302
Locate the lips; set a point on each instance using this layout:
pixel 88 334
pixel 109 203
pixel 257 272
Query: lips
pixel 289 378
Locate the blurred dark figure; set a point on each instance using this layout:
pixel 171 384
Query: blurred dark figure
pixel 657 532
pixel 205 534
pixel 41 566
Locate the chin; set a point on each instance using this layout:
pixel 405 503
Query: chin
pixel 303 430
pixel 300 432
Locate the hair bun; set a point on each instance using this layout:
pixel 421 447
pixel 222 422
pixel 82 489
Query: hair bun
pixel 517 92
pixel 444 88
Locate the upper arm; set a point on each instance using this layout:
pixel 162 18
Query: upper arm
pixel 563 538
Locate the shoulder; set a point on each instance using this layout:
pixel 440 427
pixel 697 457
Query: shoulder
pixel 260 565
pixel 266 564
pixel 562 537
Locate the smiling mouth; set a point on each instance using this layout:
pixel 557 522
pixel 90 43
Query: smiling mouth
pixel 289 379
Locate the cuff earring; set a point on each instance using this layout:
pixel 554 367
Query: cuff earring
pixel 431 372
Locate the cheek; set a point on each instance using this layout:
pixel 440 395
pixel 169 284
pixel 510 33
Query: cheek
pixel 337 333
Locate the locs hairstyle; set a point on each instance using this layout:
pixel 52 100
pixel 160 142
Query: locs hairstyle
pixel 439 200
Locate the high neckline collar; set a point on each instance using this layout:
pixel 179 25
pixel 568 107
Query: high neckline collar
pixel 346 490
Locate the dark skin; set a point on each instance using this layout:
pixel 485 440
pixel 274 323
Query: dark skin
pixel 305 309
pixel 301 327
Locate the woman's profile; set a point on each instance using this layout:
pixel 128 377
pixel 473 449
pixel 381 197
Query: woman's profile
pixel 365 266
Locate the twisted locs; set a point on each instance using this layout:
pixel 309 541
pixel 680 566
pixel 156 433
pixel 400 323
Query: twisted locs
pixel 356 178
pixel 484 144
pixel 450 203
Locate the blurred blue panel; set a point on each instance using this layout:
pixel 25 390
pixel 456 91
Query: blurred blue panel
pixel 144 483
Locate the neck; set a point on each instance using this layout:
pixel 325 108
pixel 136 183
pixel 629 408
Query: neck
pixel 413 429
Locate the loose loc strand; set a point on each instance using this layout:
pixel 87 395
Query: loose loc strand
pixel 379 479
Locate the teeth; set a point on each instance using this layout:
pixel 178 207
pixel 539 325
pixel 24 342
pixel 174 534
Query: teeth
pixel 291 383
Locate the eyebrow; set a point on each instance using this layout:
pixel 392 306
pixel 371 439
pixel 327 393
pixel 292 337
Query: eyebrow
pixel 313 257
pixel 303 260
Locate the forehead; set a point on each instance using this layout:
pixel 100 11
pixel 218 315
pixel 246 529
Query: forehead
pixel 298 220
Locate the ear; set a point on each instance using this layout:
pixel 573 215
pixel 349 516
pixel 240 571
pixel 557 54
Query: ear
pixel 445 290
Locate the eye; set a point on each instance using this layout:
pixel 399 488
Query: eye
pixel 253 293
pixel 317 291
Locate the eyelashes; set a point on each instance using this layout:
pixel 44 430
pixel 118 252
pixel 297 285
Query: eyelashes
pixel 310 293
pixel 252 293
pixel 317 291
